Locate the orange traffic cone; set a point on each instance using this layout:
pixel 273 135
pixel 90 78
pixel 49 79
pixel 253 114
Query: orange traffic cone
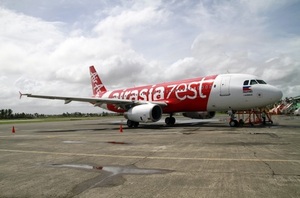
pixel 13 130
pixel 121 128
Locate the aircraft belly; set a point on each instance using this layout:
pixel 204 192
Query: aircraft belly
pixel 186 106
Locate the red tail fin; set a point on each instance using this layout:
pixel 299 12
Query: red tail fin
pixel 97 84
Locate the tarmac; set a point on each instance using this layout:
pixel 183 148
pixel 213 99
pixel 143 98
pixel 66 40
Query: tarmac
pixel 92 158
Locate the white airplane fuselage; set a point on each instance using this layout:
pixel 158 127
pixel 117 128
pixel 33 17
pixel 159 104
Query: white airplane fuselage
pixel 190 96
pixel 212 93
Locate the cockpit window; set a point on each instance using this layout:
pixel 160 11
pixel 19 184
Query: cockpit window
pixel 261 81
pixel 246 82
pixel 253 82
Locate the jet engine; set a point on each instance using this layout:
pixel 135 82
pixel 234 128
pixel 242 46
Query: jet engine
pixel 200 114
pixel 144 113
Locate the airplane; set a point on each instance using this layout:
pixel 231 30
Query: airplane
pixel 197 98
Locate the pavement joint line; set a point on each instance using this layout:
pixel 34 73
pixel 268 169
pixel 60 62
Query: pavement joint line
pixel 143 157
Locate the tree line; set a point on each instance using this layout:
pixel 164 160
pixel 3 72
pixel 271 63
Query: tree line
pixel 8 114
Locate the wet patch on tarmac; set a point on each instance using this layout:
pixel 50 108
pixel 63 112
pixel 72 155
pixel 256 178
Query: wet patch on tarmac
pixel 273 135
pixel 75 130
pixel 73 142
pixel 57 131
pixel 114 142
pixel 84 142
pixel 109 175
pixel 188 133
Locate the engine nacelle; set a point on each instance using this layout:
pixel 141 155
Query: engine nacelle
pixel 200 114
pixel 144 113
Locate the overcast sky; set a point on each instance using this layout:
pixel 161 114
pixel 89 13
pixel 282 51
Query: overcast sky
pixel 47 46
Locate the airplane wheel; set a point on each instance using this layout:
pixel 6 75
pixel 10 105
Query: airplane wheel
pixel 241 122
pixel 170 121
pixel 136 124
pixel 167 120
pixel 130 123
pixel 233 123
pixel 173 120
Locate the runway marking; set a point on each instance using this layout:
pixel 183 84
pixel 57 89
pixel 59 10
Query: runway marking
pixel 150 157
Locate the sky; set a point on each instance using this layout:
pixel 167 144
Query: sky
pixel 47 46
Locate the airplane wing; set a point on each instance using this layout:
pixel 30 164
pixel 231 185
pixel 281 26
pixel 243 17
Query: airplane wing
pixel 96 101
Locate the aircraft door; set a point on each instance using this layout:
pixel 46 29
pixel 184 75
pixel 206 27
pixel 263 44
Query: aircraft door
pixel 225 86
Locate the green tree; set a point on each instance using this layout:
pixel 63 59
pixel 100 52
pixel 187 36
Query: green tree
pixel 9 112
pixel 2 114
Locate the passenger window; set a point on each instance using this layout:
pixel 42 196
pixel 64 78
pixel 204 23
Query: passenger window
pixel 253 82
pixel 246 82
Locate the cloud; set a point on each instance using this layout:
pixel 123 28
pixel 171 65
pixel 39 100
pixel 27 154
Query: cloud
pixel 129 20
pixel 245 45
pixel 188 67
pixel 53 59
pixel 258 7
pixel 25 41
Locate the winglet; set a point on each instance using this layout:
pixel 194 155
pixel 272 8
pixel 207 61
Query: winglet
pixel 97 84
pixel 20 94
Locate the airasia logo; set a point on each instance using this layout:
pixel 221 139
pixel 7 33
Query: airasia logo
pixel 97 86
pixel 180 91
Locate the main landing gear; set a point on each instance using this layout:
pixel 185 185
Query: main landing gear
pixel 170 120
pixel 131 124
pixel 233 122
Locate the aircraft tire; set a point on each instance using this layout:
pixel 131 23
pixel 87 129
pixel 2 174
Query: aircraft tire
pixel 167 120
pixel 241 122
pixel 233 123
pixel 136 124
pixel 173 120
pixel 130 123
pixel 170 121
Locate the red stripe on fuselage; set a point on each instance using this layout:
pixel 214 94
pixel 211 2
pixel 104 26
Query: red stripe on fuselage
pixel 181 96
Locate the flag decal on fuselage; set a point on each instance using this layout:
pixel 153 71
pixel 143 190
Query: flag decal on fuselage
pixel 247 89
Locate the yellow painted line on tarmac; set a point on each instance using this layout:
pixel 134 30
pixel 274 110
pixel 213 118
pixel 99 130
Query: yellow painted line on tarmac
pixel 145 157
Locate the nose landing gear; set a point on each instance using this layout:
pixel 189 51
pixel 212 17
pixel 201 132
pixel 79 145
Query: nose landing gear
pixel 235 123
